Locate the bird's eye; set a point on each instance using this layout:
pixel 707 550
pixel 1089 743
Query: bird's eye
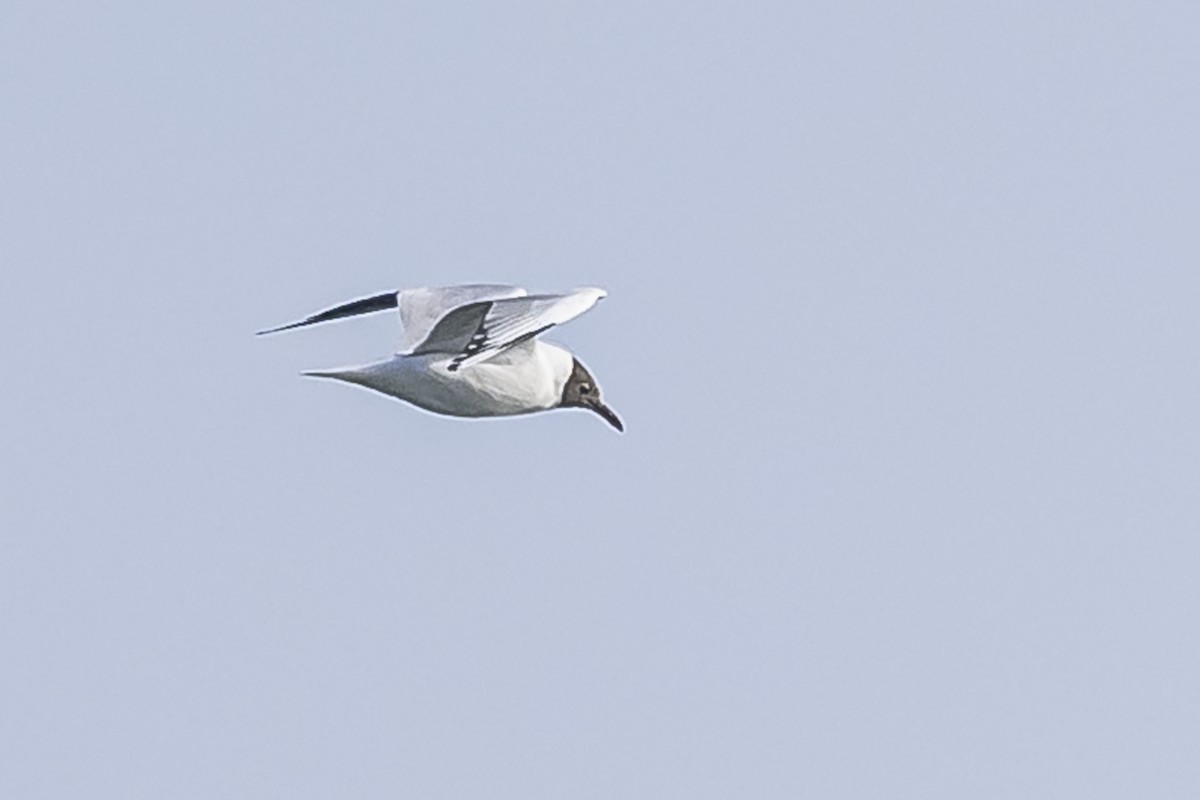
pixel 585 388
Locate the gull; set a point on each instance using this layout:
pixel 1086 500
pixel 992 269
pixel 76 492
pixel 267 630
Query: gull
pixel 474 351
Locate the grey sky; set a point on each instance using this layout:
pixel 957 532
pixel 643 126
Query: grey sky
pixel 902 323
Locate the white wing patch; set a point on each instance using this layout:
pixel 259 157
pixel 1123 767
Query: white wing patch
pixel 477 331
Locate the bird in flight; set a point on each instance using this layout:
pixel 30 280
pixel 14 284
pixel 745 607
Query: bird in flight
pixel 474 351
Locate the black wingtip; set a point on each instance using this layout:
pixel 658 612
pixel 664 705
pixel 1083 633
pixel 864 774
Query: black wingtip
pixel 366 305
pixel 265 331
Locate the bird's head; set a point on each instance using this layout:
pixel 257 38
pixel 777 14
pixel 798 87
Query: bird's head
pixel 582 391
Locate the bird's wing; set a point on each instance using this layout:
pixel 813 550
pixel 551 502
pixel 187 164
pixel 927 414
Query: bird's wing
pixel 420 309
pixel 477 331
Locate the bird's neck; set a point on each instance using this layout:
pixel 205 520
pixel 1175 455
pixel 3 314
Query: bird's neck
pixel 560 363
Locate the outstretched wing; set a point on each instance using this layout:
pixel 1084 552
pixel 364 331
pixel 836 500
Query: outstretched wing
pixel 420 309
pixel 477 331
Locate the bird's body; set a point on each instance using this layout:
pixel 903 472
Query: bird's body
pixel 472 351
pixel 529 378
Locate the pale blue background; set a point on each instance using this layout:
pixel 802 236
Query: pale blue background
pixel 902 320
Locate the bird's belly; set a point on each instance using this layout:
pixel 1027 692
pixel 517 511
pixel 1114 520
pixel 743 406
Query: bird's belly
pixel 482 390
